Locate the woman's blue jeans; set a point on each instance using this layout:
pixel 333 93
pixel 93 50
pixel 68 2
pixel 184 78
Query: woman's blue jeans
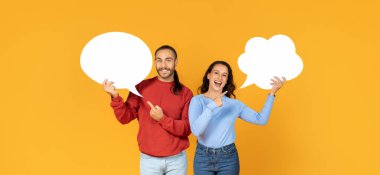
pixel 216 161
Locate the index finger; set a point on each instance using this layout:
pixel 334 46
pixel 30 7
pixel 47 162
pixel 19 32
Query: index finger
pixel 150 104
pixel 278 79
pixel 283 79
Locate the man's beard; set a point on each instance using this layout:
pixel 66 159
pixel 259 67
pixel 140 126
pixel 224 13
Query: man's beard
pixel 171 72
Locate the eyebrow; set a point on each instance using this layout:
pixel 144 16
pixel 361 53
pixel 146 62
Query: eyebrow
pixel 164 58
pixel 215 70
pixel 219 71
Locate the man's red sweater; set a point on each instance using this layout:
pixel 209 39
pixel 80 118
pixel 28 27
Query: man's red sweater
pixel 166 137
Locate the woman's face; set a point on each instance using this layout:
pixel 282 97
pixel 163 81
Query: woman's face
pixel 218 77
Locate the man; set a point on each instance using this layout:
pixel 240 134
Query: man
pixel 162 114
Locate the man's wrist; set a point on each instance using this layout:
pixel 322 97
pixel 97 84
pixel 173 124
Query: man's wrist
pixel 114 95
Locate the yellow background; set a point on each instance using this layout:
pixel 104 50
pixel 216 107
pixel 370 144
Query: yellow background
pixel 56 120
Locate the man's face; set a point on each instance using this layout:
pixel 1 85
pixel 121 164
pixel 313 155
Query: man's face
pixel 165 63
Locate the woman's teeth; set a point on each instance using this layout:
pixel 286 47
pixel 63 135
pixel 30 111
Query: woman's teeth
pixel 218 83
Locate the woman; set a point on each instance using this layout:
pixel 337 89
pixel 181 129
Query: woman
pixel 212 116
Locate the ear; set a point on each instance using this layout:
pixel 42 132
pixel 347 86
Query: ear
pixel 208 76
pixel 176 62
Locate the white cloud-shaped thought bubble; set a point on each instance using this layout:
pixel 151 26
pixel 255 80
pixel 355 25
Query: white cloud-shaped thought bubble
pixel 119 57
pixel 263 59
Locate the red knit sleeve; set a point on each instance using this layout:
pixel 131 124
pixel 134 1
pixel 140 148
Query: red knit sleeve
pixel 179 127
pixel 128 111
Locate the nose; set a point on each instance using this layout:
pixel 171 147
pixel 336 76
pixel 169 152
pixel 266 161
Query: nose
pixel 164 64
pixel 219 77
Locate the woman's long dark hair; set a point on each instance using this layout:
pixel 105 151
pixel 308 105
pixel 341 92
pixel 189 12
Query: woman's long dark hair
pixel 177 84
pixel 230 85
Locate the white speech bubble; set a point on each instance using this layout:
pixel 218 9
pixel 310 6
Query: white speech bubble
pixel 263 59
pixel 119 57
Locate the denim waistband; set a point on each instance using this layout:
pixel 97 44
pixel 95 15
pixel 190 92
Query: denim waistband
pixel 223 148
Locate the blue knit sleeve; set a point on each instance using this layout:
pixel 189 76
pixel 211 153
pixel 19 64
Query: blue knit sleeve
pixel 251 116
pixel 200 115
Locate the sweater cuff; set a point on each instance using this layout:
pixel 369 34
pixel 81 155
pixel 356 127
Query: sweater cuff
pixel 271 98
pixel 116 99
pixel 164 120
